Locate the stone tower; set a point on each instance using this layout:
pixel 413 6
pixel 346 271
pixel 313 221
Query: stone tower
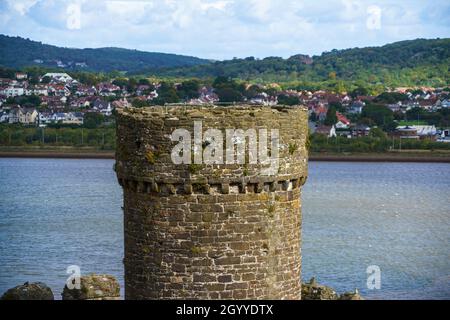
pixel 211 231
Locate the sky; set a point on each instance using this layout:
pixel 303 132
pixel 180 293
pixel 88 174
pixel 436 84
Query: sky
pixel 224 29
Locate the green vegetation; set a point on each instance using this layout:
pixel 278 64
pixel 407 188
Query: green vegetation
pixel 412 123
pixel 376 144
pixel 17 135
pixel 17 52
pixel 360 71
pixel 367 70
pixel 331 116
pixel 104 138
pixel 288 100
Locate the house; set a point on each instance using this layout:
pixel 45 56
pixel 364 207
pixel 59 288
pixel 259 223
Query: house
pixel 82 102
pixel 321 112
pixel 107 89
pixel 395 107
pixel 4 116
pixel 123 103
pixel 103 106
pixel 407 132
pixel 425 131
pixel 356 107
pixel 59 90
pixel 83 90
pixel 44 118
pixel 263 99
pixel 73 118
pixel 38 90
pixel 340 125
pixel 312 127
pixel 343 122
pixel 22 115
pixel 329 131
pixel 360 131
pixel 142 89
pixel 444 136
pixel 60 77
pixel 58 117
pixel 54 102
pixel 445 103
pixel 21 76
pixel 13 91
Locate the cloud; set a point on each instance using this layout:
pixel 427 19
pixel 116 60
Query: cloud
pixel 221 29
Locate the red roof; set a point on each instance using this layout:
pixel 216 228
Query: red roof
pixel 342 118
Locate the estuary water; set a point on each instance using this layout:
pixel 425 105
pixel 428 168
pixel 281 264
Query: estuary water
pixel 55 213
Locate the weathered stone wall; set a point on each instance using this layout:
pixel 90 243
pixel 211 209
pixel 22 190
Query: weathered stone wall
pixel 210 231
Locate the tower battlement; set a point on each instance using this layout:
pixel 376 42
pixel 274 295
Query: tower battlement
pixel 212 230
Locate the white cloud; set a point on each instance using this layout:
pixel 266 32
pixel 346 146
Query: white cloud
pixel 22 6
pixel 221 29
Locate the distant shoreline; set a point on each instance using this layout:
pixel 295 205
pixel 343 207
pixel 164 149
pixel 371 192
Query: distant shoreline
pixel 74 153
pixel 381 157
pixel 56 153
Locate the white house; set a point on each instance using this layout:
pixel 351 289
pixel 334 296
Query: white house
pixel 13 91
pixel 423 131
pixel 38 90
pixel 4 116
pixel 23 115
pixel 64 77
pixel 21 76
pixel 341 125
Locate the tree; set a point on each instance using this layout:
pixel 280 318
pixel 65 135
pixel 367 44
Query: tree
pixel 93 120
pixel 288 100
pixel 228 90
pixel 144 81
pixel 378 133
pixel 336 104
pixel 360 91
pixel 166 94
pixel 331 118
pixel 132 84
pixel 46 79
pixel 391 97
pixel 189 89
pixel 252 91
pixel 339 87
pixel 229 95
pixel 121 82
pixel 138 103
pixel 381 115
pixel 416 113
pixel 26 101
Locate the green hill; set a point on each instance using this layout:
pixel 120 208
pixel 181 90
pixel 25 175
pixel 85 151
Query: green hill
pixel 406 63
pixel 16 52
pixel 414 62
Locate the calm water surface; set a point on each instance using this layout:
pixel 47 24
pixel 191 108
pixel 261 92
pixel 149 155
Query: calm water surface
pixel 55 213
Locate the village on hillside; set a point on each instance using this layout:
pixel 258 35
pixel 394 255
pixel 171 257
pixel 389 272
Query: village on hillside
pixel 57 99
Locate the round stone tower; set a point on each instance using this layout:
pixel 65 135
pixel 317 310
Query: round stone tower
pixel 212 230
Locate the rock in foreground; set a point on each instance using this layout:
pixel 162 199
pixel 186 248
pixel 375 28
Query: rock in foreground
pixel 29 291
pixel 94 287
pixel 314 291
pixel 351 296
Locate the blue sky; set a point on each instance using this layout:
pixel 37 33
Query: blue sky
pixel 223 29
